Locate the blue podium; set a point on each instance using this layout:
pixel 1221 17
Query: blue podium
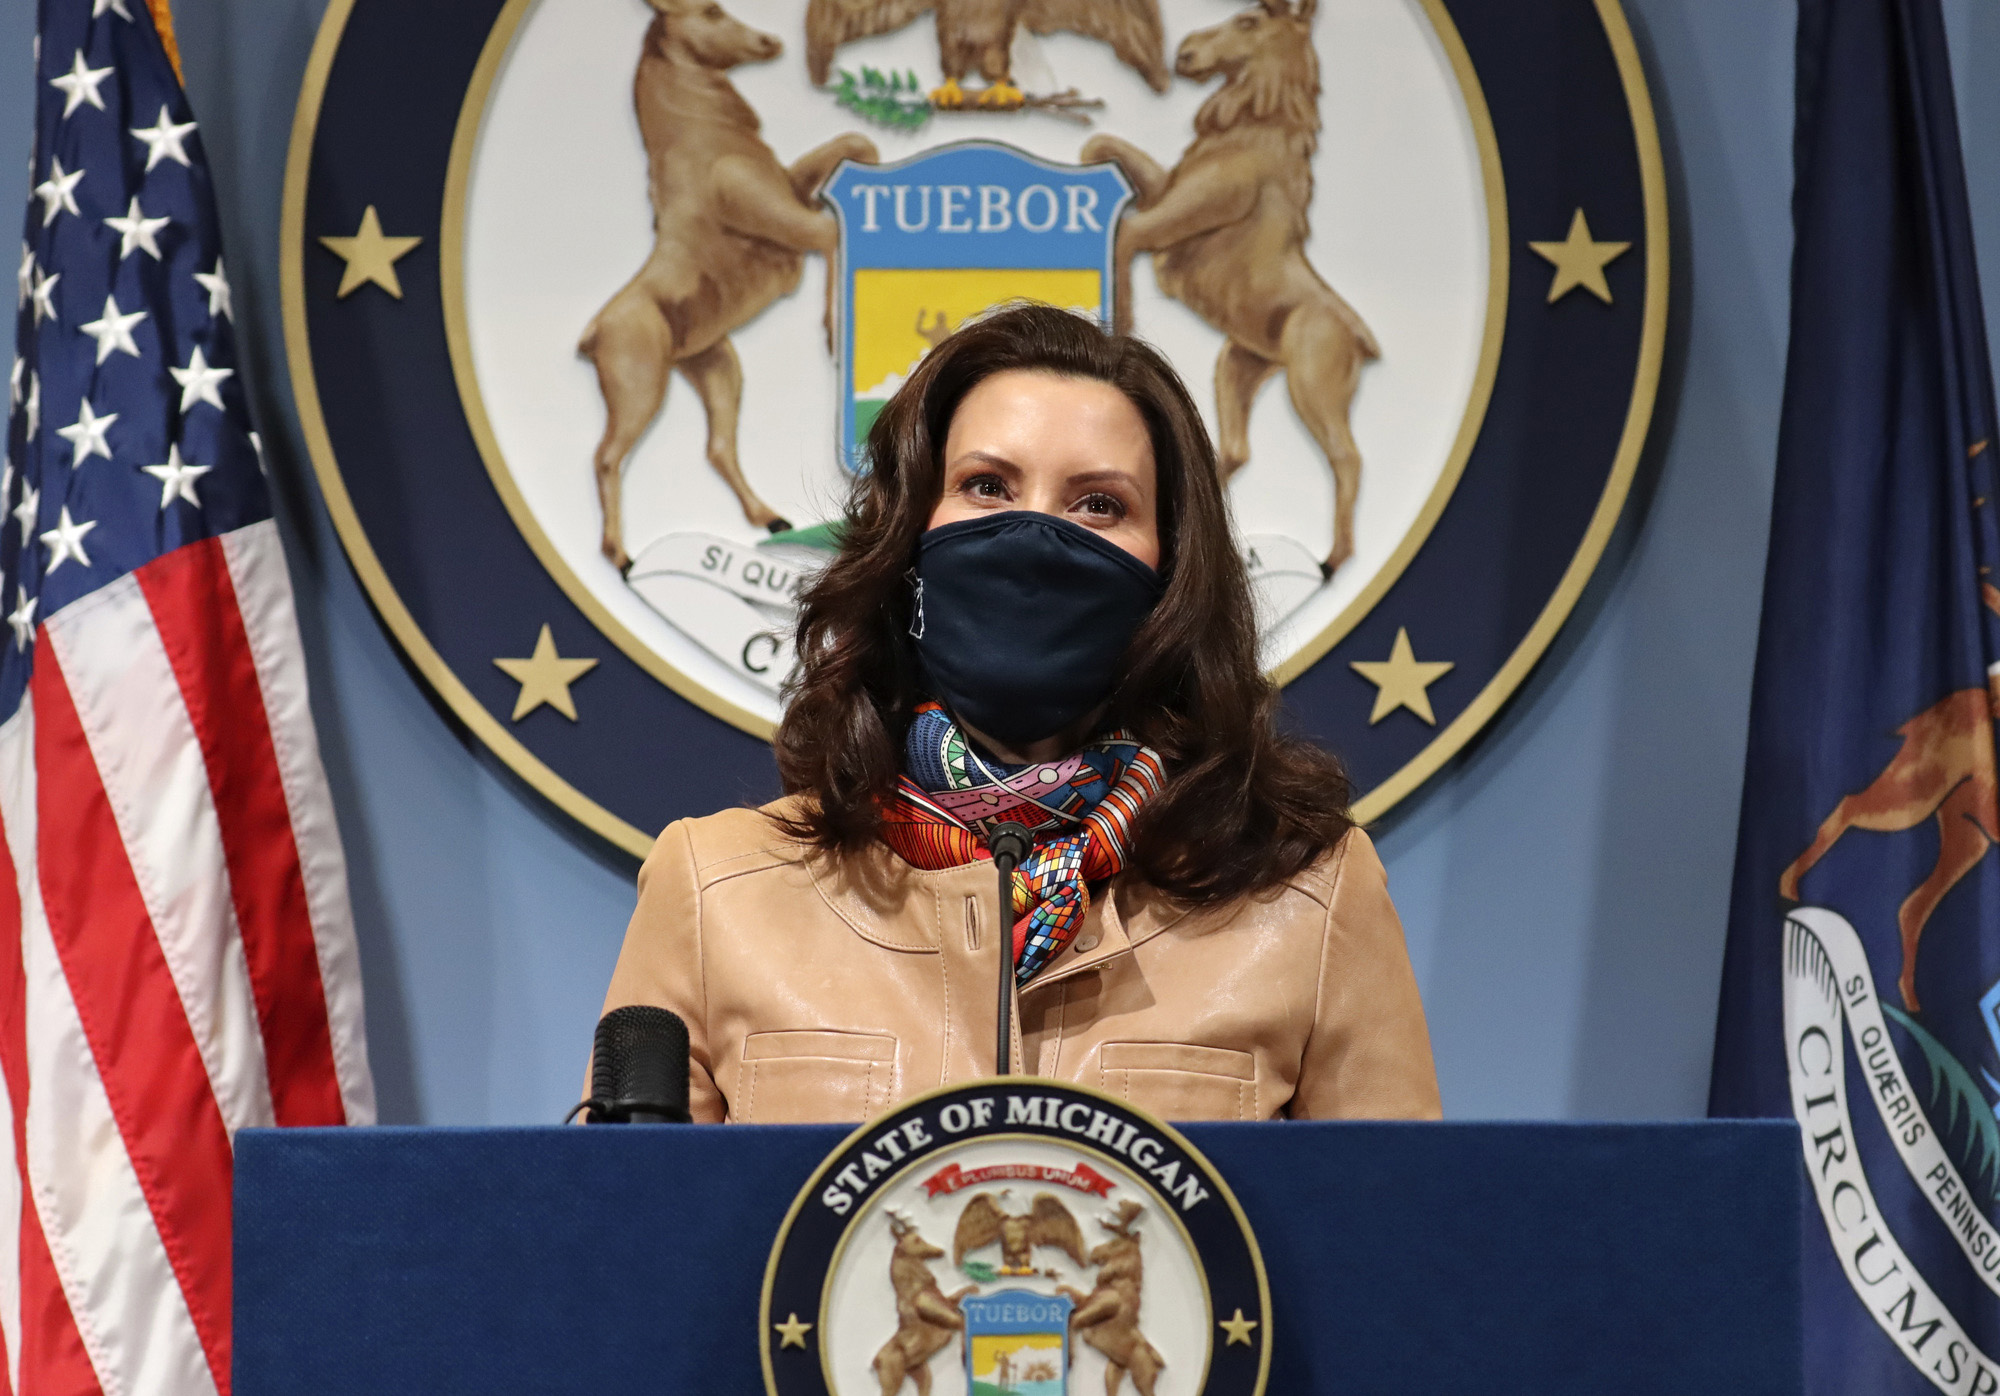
pixel 1502 1258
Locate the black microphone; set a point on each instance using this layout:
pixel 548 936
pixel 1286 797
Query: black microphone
pixel 1009 843
pixel 639 1068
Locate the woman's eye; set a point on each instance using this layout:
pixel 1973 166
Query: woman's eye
pixel 1102 506
pixel 986 487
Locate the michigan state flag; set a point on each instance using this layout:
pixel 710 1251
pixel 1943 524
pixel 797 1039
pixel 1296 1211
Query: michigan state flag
pixel 1861 991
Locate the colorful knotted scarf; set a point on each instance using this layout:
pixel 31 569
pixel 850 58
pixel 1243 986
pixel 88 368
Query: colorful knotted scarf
pixel 1078 808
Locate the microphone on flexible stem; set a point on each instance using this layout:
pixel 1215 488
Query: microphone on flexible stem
pixel 639 1068
pixel 1009 843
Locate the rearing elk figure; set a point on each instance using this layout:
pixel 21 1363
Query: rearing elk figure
pixel 1108 1317
pixel 1227 228
pixel 926 1318
pixel 730 227
pixel 1945 768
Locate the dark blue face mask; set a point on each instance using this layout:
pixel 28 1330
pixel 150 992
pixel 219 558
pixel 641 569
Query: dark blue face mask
pixel 1021 619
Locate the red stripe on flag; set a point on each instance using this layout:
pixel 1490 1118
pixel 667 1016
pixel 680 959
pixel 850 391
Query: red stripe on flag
pixel 14 1062
pixel 132 1014
pixel 53 1360
pixel 194 607
pixel 52 1357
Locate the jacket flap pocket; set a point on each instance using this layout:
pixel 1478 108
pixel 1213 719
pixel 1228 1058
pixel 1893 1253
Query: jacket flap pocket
pixel 802 1077
pixel 1179 1056
pixel 840 1046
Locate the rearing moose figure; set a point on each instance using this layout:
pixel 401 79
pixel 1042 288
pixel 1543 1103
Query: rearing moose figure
pixel 1227 228
pixel 730 227
pixel 927 1318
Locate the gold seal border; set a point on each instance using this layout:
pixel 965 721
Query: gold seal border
pixel 1624 465
pixel 860 1131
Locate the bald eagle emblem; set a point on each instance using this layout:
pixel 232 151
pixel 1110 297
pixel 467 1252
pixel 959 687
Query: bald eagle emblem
pixel 978 36
pixel 1046 1223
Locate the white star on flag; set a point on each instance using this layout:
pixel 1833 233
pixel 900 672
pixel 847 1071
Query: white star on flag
pixel 26 276
pixel 80 85
pixel 114 331
pixel 216 283
pixel 14 386
pixel 136 230
pixel 58 192
pixel 163 140
pixel 34 403
pixel 117 7
pixel 44 296
pixel 25 511
pixel 199 381
pixel 177 478
pixel 65 541
pixel 23 621
pixel 87 433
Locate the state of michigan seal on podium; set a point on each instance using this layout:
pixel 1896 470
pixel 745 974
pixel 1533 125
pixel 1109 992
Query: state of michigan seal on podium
pixel 590 304
pixel 1016 1237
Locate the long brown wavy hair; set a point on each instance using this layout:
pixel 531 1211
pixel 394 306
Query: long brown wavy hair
pixel 1245 805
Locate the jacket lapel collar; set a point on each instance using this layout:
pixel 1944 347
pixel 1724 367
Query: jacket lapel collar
pixel 882 899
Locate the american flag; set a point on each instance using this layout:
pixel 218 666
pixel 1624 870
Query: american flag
pixel 177 953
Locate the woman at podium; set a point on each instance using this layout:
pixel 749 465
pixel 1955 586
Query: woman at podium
pixel 1037 615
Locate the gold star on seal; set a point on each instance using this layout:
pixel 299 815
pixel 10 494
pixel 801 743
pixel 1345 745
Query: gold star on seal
pixel 1401 681
pixel 1238 1329
pixel 791 1333
pixel 1580 261
pixel 545 677
pixel 369 256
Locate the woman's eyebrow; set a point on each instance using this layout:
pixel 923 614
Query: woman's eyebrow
pixel 1000 463
pixel 1092 477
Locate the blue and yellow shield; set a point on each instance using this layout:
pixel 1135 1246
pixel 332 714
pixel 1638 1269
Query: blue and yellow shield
pixel 931 241
pixel 1017 1343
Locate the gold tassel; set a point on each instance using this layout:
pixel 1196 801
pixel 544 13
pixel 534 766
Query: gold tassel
pixel 163 20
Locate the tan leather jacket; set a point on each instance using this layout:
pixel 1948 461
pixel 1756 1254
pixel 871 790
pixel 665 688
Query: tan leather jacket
pixel 830 989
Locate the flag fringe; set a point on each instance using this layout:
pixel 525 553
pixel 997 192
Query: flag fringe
pixel 163 21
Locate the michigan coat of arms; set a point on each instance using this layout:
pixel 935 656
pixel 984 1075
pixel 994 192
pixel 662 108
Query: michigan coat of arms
pixel 590 304
pixel 1015 1237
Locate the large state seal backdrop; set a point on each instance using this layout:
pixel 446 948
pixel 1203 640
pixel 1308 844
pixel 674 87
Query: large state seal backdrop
pixel 634 689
